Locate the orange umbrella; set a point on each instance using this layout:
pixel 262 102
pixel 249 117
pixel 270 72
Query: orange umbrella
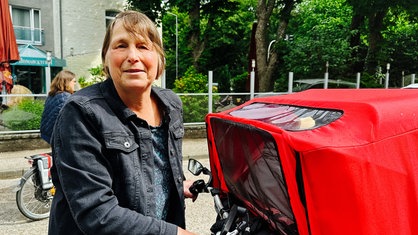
pixel 8 47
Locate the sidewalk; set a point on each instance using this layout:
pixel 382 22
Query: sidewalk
pixel 13 164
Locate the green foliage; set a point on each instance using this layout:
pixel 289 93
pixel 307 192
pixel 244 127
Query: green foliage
pixel 215 35
pixel 321 30
pixel 195 107
pixel 372 80
pixel 97 75
pixel 191 82
pixel 239 82
pixel 401 39
pixel 83 82
pixel 218 37
pixel 24 116
pixel 151 8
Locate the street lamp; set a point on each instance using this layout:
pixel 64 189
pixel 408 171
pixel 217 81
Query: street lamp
pixel 268 49
pixel 177 45
pixel 288 37
pixel 252 79
pixel 48 71
pixel 326 75
pixel 387 76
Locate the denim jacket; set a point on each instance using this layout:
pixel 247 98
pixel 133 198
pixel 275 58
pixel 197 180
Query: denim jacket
pixel 103 166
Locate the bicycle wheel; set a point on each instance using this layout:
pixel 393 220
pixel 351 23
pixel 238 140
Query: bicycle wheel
pixel 32 201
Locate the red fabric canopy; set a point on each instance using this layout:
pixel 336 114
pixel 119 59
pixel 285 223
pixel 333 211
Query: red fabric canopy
pixel 9 52
pixel 355 173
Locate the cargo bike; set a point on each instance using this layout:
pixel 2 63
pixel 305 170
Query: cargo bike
pixel 320 162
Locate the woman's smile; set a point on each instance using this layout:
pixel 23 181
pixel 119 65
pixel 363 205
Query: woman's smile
pixel 133 70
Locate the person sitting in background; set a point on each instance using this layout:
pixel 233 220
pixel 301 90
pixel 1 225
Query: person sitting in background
pixel 6 83
pixel 62 87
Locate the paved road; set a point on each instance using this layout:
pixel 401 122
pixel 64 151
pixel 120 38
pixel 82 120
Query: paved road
pixel 200 215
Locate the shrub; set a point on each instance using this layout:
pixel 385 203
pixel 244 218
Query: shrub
pixel 195 107
pixel 24 116
pixel 239 82
pixel 97 75
pixel 191 82
pixel 372 80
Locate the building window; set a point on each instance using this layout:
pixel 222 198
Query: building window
pixel 27 25
pixel 110 15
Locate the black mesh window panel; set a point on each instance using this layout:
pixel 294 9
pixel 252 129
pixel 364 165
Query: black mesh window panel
pixel 252 169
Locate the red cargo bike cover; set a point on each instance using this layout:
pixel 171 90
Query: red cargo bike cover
pixel 335 161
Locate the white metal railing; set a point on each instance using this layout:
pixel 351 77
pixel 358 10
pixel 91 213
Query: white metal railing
pixel 214 100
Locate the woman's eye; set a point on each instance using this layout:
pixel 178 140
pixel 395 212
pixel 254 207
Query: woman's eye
pixel 142 47
pixel 119 45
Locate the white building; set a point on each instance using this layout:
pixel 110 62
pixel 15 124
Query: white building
pixel 72 30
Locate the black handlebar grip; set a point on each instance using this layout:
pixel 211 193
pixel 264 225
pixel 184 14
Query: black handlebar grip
pixel 197 187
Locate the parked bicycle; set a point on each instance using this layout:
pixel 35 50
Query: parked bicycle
pixel 35 190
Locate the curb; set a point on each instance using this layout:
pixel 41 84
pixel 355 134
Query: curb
pixel 5 175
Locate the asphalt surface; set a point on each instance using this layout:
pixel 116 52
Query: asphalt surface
pixel 200 215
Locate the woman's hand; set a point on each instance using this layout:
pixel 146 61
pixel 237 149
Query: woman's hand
pixel 187 193
pixel 181 231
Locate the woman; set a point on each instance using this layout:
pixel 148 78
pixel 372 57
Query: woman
pixel 62 87
pixel 117 144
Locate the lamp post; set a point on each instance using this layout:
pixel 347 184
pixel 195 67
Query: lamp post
pixel 326 76
pixel 288 37
pixel 379 73
pixel 387 76
pixel 177 45
pixel 48 72
pixel 252 79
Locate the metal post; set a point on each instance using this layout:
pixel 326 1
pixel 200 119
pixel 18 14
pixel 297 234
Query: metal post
pixel 379 73
pixel 387 76
pixel 326 76
pixel 358 80
pixel 163 80
pixel 252 79
pixel 412 78
pixel 48 72
pixel 290 86
pixel 210 91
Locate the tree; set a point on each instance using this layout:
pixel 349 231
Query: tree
pixel 220 42
pixel 331 30
pixel 373 12
pixel 209 33
pixel 265 11
pixel 401 39
pixel 321 32
pixel 350 34
pixel 202 17
pixel 152 8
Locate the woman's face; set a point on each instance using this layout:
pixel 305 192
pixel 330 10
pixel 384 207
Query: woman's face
pixel 132 61
pixel 72 83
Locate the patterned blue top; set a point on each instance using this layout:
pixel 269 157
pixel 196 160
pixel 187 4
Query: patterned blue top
pixel 163 177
